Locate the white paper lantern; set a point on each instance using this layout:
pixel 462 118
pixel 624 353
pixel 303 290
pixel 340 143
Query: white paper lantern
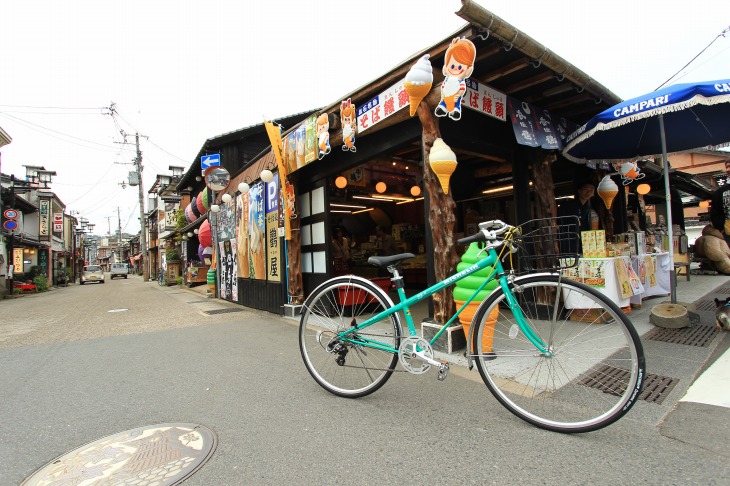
pixel 243 188
pixel 267 175
pixel 215 208
pixel 226 198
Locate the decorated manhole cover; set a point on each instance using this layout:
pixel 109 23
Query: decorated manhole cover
pixel 159 454
pixel 118 310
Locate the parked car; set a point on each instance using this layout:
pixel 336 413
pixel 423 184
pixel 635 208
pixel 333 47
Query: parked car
pixel 119 270
pixel 92 273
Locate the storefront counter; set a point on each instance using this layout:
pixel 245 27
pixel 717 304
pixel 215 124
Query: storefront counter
pixel 622 279
pixel 607 275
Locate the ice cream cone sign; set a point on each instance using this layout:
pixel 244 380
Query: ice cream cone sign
pixel 443 162
pixel 418 82
pixel 607 190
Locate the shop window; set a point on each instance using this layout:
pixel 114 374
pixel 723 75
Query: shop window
pixel 318 201
pixel 318 233
pixel 304 206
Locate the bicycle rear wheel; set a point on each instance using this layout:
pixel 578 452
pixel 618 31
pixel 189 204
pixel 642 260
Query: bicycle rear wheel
pixel 594 368
pixel 342 367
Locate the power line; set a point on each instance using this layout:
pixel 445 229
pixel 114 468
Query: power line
pixel 26 122
pixel 721 34
pixel 57 107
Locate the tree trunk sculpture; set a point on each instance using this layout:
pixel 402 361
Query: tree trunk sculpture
pixel 441 217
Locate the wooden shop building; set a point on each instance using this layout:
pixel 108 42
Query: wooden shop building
pixel 521 100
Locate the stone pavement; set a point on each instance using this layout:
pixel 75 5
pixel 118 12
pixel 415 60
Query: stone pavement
pixel 688 370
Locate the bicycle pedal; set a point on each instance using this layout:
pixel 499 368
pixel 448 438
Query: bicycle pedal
pixel 443 371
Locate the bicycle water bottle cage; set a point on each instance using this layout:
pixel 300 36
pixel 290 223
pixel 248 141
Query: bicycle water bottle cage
pixel 387 261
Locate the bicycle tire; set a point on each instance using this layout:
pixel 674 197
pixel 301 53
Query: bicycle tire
pixel 343 368
pixel 596 366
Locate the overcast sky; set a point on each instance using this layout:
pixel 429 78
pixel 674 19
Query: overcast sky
pixel 183 71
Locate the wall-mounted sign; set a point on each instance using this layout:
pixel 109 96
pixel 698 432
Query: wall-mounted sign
pixel 45 216
pixel 382 106
pixel 57 222
pixel 482 98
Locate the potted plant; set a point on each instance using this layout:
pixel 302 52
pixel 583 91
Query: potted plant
pixel 172 254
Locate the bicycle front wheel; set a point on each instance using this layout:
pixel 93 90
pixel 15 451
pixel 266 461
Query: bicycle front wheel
pixel 591 371
pixel 340 366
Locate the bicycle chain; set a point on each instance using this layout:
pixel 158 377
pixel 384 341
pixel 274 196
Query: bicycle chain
pixel 376 369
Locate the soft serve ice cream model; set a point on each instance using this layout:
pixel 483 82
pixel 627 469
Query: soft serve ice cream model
pixel 418 82
pixel 443 162
pixel 607 190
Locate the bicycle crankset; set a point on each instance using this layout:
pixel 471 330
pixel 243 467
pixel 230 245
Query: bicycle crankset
pixel 416 355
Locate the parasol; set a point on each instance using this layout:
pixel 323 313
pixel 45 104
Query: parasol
pixel 679 118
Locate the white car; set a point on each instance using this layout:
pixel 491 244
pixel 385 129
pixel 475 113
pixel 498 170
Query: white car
pixel 92 273
pixel 119 270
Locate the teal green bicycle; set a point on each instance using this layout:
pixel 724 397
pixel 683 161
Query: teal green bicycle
pixel 553 351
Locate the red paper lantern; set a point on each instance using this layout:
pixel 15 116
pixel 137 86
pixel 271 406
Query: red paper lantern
pixel 194 208
pixel 205 237
pixel 199 204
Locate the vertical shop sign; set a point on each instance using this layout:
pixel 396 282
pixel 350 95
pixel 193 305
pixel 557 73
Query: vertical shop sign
pixel 44 219
pixel 382 106
pixel 43 261
pixel 272 230
pixel 57 222
pixel 18 260
pixel 480 97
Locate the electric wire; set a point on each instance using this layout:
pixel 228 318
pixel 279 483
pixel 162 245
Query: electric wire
pixel 721 34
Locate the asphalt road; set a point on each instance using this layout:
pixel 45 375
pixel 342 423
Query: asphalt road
pixel 73 372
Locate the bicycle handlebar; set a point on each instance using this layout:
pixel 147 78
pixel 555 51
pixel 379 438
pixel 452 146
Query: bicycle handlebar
pixel 488 231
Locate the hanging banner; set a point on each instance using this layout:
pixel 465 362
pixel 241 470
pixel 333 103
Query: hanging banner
pixel 382 106
pixel 256 231
pixel 565 127
pixel 532 125
pixel 274 133
pixel 310 139
pixel 44 217
pixel 243 268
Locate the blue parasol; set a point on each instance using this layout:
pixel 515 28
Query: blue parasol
pixel 678 118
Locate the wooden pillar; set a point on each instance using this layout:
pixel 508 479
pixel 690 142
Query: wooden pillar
pixel 441 218
pixel 542 180
pixel 521 184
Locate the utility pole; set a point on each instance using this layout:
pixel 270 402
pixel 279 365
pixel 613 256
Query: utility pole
pixel 142 219
pixel 119 245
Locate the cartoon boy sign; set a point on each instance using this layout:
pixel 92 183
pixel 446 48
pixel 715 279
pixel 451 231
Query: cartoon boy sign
pixel 323 135
pixel 458 65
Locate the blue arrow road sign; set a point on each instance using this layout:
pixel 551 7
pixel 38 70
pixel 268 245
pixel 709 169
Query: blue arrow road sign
pixel 210 160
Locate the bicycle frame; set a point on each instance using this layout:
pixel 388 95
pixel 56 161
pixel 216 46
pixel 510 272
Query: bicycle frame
pixel 404 305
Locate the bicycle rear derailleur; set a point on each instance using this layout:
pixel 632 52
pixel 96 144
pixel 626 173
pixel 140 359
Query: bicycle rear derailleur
pixel 416 356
